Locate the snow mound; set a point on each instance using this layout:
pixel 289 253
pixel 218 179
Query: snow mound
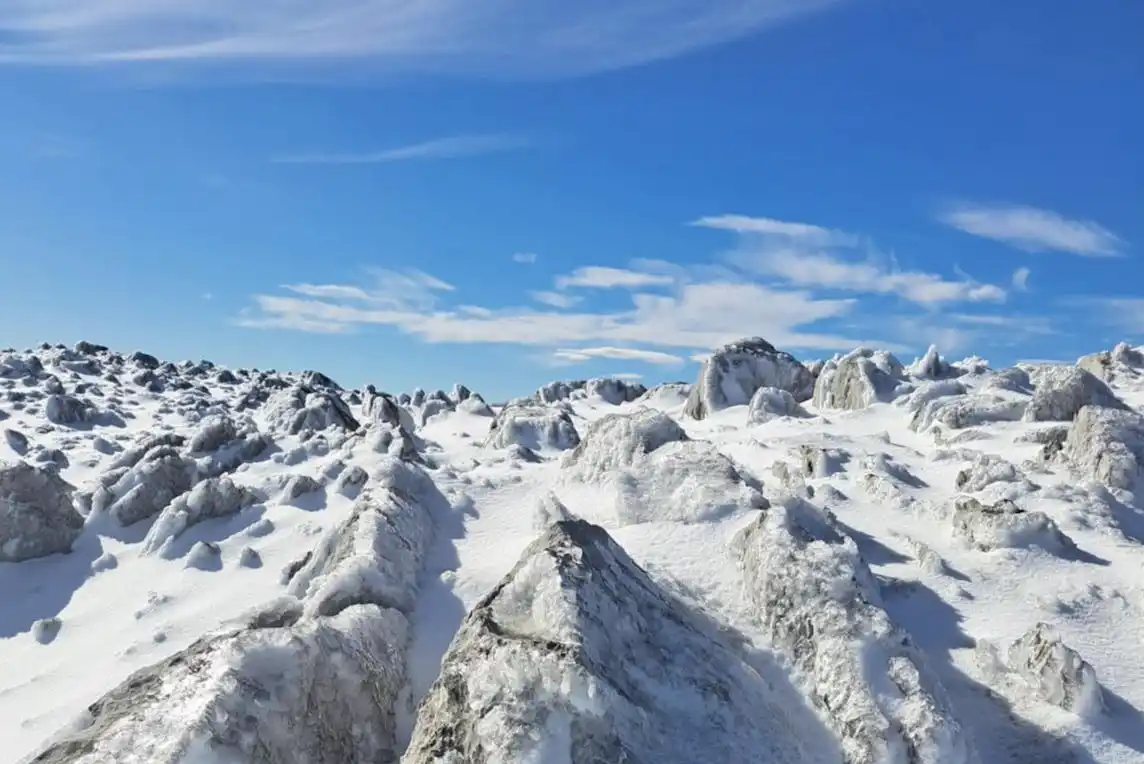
pixel 772 403
pixel 1058 673
pixel 37 517
pixel 859 379
pixel 652 473
pixel 578 656
pixel 821 607
pixel 320 690
pixel 616 441
pixel 733 372
pixel 1107 445
pixel 534 427
pixel 376 554
pixel 1061 391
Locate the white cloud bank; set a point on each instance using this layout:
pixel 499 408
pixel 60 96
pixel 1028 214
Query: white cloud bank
pixel 497 37
pixel 1034 230
pixel 777 286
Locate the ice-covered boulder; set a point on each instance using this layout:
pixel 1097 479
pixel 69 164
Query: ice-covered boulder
pixel 37 516
pixel 1123 363
pixel 1061 391
pixel 614 391
pixel 932 366
pixel 376 554
pixel 144 360
pixel 821 607
pixel 859 379
pixel 144 489
pixel 578 656
pixel 534 427
pixel 278 690
pixel 213 433
pixel 68 410
pixel 652 472
pixel 216 497
pixel 772 403
pixel 299 408
pixel 433 407
pixel 460 393
pixel 317 379
pixel 1107 445
pixel 1004 525
pixel 956 412
pixel 1057 672
pixel 475 404
pixel 732 374
pixel 986 470
pixel 930 391
pixel 384 408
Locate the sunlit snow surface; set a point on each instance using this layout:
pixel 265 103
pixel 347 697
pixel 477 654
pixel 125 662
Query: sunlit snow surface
pixel 677 511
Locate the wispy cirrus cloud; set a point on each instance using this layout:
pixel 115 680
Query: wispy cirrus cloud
pixel 1020 279
pixel 1034 230
pixel 810 256
pixel 525 258
pixel 527 38
pixel 579 355
pixel 601 277
pixel 453 147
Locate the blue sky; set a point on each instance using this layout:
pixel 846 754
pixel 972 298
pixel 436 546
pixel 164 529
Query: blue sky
pixel 398 192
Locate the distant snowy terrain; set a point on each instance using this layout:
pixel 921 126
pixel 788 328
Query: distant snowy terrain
pixel 859 561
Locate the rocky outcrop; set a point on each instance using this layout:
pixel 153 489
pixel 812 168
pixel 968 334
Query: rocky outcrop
pixel 1057 672
pixel 859 379
pixel 213 498
pixel 278 690
pixel 376 554
pixel 37 516
pixel 820 605
pixel 772 403
pixel 145 488
pixel 732 374
pixel 652 472
pixel 1004 525
pixel 534 427
pixel 595 663
pixel 1062 391
pixel 1107 445
pixel 301 408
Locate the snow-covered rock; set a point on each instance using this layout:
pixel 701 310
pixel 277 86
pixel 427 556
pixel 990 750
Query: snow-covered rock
pixel 932 366
pixel 534 427
pixel 309 690
pixel 301 408
pixel 986 470
pixel 1057 672
pixel 376 554
pixel 1061 391
pixel 1004 525
pixel 577 656
pixel 772 403
pixel 732 374
pixel 859 379
pixel 614 391
pixel 652 472
pixel 821 607
pixel 216 497
pixel 475 404
pixel 37 516
pixel 1123 363
pixel 383 408
pixel 955 412
pixel 145 488
pixel 433 407
pixel 1107 445
pixel 212 434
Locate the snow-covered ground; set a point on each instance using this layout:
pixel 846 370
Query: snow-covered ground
pixel 850 570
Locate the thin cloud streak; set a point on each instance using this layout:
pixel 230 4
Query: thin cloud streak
pixel 1034 230
pixel 454 147
pixel 515 38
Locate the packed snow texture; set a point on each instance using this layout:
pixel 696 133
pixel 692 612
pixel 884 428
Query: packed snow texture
pixel 853 561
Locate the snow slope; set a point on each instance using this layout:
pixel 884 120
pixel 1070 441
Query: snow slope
pixel 949 571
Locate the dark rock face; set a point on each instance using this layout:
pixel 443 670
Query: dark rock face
pixel 734 372
pixel 605 667
pixel 37 516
